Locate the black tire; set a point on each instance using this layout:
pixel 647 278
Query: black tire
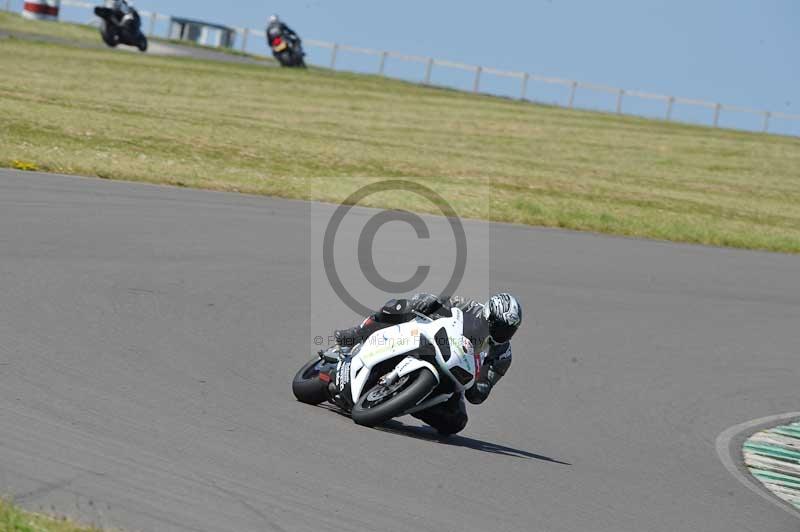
pixel 109 36
pixel 370 413
pixel 142 44
pixel 297 59
pixel 307 386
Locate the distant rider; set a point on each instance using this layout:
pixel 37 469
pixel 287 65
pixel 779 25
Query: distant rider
pixel 489 326
pixel 276 28
pixel 120 7
pixel 122 11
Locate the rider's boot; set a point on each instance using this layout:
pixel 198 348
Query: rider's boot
pixel 347 337
pixel 355 335
pixel 393 312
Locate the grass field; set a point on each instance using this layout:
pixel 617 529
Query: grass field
pixel 14 519
pixel 316 134
pixel 77 33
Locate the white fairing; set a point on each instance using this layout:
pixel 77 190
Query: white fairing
pixel 395 341
pixel 410 364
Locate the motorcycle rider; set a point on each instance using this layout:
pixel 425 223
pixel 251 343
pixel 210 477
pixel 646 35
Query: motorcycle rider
pixel 120 7
pixel 276 28
pixel 489 326
pixel 122 11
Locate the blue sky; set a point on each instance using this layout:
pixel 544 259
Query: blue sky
pixel 737 52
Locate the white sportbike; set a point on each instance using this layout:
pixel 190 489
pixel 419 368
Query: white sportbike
pixel 399 370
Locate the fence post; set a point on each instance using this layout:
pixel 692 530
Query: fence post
pixel 767 114
pixel 620 94
pixel 334 51
pixel 428 71
pixel 524 92
pixel 153 17
pixel 670 101
pixel 717 109
pixel 382 66
pixel 574 88
pixel 476 84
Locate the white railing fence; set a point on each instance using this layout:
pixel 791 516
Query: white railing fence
pixel 430 65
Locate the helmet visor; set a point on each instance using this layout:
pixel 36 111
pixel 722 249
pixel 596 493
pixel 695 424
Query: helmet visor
pixel 501 333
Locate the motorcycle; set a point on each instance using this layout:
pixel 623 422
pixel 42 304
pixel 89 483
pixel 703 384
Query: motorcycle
pixel 126 30
pixel 399 370
pixel 288 52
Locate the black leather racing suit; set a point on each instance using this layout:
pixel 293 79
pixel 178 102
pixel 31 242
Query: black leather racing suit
pixel 449 417
pixel 279 29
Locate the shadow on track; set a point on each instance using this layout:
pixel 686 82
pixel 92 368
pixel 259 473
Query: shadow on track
pixel 429 434
pixel 426 433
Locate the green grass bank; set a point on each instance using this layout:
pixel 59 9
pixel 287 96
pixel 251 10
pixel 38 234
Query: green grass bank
pixel 317 134
pixel 14 519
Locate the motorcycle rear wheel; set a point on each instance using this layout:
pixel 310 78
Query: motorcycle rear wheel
pixel 307 386
pixel 382 403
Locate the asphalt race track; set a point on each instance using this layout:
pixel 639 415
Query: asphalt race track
pixel 148 336
pixel 155 47
pixel 162 48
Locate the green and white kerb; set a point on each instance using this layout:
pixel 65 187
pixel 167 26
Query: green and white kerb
pixel 773 457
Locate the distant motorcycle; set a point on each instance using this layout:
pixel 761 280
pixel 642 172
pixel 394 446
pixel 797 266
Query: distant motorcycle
pixel 288 52
pixel 118 28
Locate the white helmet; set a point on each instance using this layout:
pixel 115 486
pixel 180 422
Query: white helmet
pixel 504 314
pixel 273 19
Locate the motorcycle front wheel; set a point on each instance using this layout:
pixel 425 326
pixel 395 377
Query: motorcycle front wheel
pixel 142 44
pixel 109 36
pixel 280 57
pixel 384 402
